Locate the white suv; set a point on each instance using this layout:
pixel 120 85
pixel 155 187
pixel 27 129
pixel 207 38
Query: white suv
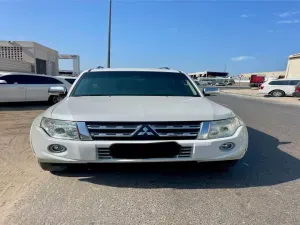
pixel 136 115
pixel 279 88
pixel 25 87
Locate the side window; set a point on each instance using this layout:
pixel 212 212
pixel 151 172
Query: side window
pixel 294 82
pixel 52 81
pixel 42 80
pixel 279 82
pixel 29 79
pixel 14 79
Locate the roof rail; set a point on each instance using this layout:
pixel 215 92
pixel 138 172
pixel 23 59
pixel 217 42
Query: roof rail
pixel 166 68
pixel 99 67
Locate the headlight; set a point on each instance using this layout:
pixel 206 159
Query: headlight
pixel 60 129
pixel 224 128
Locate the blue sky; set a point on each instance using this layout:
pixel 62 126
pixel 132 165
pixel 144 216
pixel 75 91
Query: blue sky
pixel 191 35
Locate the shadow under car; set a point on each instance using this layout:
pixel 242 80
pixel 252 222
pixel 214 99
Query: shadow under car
pixel 263 165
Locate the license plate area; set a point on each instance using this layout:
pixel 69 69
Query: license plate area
pixel 145 151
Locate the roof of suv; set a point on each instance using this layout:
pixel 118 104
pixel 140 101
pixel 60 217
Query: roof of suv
pixel 135 69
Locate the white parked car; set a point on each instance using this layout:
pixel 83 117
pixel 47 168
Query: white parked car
pixel 25 87
pixel 136 115
pixel 279 88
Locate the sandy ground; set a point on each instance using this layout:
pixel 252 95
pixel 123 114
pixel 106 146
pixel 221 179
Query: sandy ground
pixel 255 93
pixel 18 167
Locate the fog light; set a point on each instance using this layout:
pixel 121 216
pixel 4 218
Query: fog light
pixel 57 148
pixel 227 146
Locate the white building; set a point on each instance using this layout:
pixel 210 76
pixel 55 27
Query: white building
pixel 26 56
pixel 293 66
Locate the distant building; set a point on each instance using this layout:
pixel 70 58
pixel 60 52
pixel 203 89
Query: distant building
pixel 208 74
pixel 293 66
pixel 26 56
pixel 268 75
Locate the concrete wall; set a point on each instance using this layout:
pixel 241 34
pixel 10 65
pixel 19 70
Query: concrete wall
pixel 51 57
pixel 14 66
pixel 293 66
pixel 32 50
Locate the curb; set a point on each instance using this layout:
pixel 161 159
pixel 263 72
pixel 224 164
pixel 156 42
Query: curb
pixel 260 98
pixel 243 95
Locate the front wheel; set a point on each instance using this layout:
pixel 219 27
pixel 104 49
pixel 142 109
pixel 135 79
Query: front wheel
pixel 277 93
pixel 53 99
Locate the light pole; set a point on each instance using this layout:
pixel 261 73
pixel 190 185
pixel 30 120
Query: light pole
pixel 109 34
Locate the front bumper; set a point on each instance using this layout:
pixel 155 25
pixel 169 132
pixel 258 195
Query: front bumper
pixel 86 151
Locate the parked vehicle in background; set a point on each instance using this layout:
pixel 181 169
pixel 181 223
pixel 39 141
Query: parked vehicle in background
pixel 204 82
pixel 279 88
pixel 220 83
pixel 256 80
pixel 197 82
pixel 26 87
pixel 136 115
pixel 228 82
pixel 71 80
pixel 297 91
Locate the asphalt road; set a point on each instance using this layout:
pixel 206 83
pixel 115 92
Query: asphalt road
pixel 263 188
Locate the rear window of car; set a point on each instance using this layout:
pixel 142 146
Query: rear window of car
pixel 294 82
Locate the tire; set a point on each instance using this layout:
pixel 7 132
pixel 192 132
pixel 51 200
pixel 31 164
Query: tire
pixel 53 99
pixel 52 167
pixel 277 93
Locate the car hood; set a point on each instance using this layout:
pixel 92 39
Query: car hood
pixel 138 108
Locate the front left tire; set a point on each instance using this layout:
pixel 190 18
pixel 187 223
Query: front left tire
pixel 52 167
pixel 53 99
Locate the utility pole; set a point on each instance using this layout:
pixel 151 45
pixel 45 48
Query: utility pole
pixel 109 34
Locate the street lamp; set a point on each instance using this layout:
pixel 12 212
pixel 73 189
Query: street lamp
pixel 109 34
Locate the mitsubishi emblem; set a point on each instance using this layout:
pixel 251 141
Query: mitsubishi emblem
pixel 145 131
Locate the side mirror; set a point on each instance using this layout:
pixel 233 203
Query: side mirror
pixel 57 91
pixel 211 91
pixel 3 82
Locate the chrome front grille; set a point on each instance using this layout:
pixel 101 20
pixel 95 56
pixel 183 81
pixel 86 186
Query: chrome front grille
pixel 144 131
pixel 185 152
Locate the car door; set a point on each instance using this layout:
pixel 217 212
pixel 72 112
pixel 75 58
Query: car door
pixel 291 87
pixel 37 88
pixel 278 85
pixel 14 90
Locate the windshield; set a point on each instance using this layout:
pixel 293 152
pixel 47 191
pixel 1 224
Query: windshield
pixel 134 83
